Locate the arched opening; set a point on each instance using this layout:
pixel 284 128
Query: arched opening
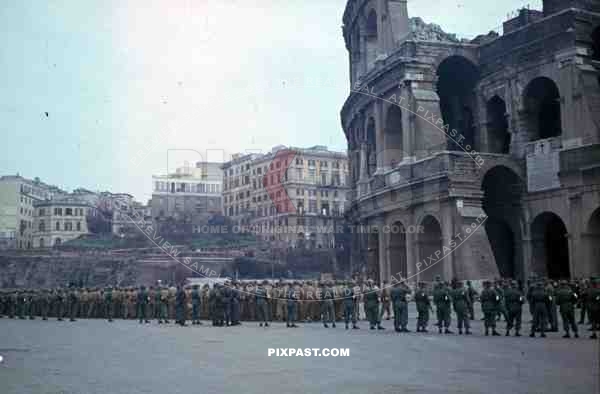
pixel 371 147
pixel 457 77
pixel 430 250
pixel 392 154
pixel 57 242
pixel 373 256
pixel 542 109
pixel 550 246
pixel 502 191
pixel 592 238
pixel 397 251
pixel 497 125
pixel 42 243
pixel 371 38
pixel 596 44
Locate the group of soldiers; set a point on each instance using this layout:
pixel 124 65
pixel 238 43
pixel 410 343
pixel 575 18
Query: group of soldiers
pixel 229 303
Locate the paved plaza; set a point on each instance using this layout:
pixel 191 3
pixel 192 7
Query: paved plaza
pixel 94 356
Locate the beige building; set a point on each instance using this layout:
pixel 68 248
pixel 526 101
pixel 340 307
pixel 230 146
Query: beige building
pixel 60 220
pixel 188 197
pixel 293 197
pixel 17 198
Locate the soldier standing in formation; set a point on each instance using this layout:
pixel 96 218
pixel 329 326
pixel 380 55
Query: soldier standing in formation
pixel 514 306
pixel 180 300
pixel 593 306
pixel 328 309
pixel 472 296
pixel 235 304
pixel 372 305
pixel 423 307
pixel 261 304
pixel 142 305
pixel 566 300
pixel 489 304
pixel 292 303
pixel 195 305
pixel 539 301
pixel 108 301
pixel 349 301
pixel 398 296
pixel 443 302
pixel 462 305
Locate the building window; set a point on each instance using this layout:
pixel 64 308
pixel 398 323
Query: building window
pixel 78 226
pixel 312 206
pixel 42 226
pixel 42 212
pixel 68 211
pixel 42 243
pixel 68 226
pixel 57 226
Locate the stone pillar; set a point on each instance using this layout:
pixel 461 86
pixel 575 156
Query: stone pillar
pixel 384 262
pixel 363 181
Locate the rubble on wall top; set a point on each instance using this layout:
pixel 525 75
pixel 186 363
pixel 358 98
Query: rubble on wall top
pixel 422 31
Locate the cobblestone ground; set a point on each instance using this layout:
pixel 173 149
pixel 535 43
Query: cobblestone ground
pixel 93 356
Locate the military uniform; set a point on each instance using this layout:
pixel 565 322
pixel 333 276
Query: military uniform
pixel 398 296
pixel 423 307
pixel 292 306
pixel 472 296
pixel 489 304
pixel 539 300
pixel 261 305
pixel 461 301
pixel 328 307
pixel 109 304
pixel 195 305
pixel 513 299
pixel 180 304
pixel 142 305
pixel 566 300
pixel 443 302
pixel 593 306
pixel 371 297
pixel 348 304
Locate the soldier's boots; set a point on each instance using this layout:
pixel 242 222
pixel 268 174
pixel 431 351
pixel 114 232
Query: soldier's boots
pixel 567 335
pixel 355 327
pixel 460 331
pixel 404 329
pixel 447 331
pixel 495 333
pixel 325 325
pixel 380 327
pixel 467 332
pixel 487 332
pixel 507 333
pixel 517 333
pixel 333 325
pixel 439 329
pixel 593 336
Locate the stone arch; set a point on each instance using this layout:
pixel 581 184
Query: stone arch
pixel 541 102
pixel 498 137
pixel 397 250
pixel 592 241
pixel 429 248
pixel 502 193
pixel 457 78
pixel 393 137
pixel 371 37
pixel 596 43
pixel 550 246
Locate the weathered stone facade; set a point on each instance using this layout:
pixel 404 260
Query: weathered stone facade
pixel 474 159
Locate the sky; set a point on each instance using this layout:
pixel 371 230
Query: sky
pixel 104 94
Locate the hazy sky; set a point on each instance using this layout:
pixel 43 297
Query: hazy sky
pixel 122 82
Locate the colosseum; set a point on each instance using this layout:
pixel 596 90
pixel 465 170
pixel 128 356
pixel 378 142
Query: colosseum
pixel 474 159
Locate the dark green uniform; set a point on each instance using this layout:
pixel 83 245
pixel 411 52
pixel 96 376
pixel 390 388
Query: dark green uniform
pixel 593 306
pixel 195 305
pixel 400 305
pixel 539 300
pixel 261 305
pixel 180 300
pixel 566 300
pixel 349 302
pixel 513 299
pixel 292 304
pixel 372 306
pixel 327 296
pixel 443 302
pixel 108 303
pixel 461 301
pixel 423 307
pixel 489 304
